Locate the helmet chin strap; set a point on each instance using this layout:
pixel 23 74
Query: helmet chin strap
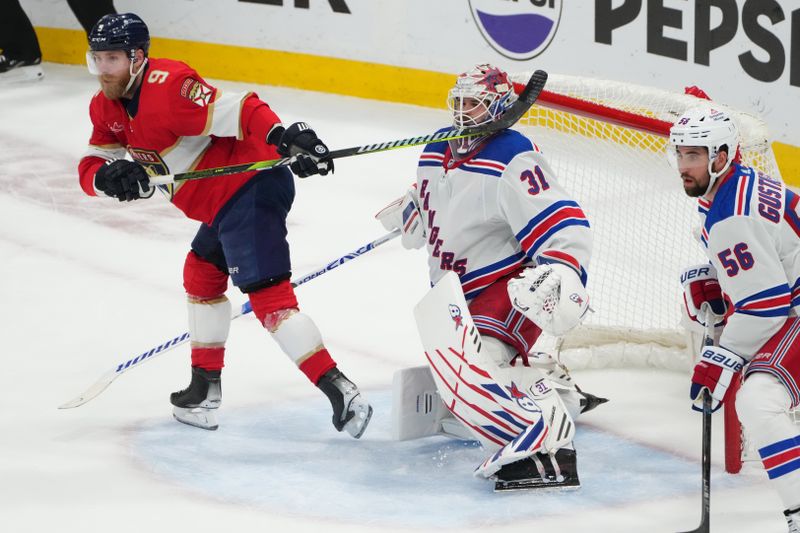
pixel 134 75
pixel 714 175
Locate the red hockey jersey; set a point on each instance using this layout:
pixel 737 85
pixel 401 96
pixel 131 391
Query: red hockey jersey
pixel 177 122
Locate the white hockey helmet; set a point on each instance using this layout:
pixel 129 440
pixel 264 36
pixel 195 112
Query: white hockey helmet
pixel 710 128
pixel 479 96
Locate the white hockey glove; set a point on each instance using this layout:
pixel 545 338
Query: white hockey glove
pixel 701 290
pixel 551 296
pixel 404 214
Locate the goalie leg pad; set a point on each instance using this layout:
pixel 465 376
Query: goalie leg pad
pixel 418 410
pixel 512 408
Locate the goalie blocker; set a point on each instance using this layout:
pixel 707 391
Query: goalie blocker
pixel 471 392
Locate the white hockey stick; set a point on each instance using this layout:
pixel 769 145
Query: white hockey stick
pixel 106 379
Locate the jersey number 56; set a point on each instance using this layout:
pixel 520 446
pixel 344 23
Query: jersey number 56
pixel 741 260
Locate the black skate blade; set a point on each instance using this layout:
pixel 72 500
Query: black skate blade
pixel 536 484
pixel 590 401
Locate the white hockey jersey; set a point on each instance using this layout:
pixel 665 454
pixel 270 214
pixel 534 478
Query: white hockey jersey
pixel 751 234
pixel 496 211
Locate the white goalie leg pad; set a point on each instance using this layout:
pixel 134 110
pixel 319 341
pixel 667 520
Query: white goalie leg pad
pixel 498 404
pixel 417 409
pixel 298 337
pixel 209 321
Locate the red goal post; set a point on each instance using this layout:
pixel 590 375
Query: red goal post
pixel 606 142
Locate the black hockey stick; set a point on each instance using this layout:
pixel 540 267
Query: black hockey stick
pixel 705 525
pixel 525 100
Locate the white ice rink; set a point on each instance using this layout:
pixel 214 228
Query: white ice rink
pixel 87 283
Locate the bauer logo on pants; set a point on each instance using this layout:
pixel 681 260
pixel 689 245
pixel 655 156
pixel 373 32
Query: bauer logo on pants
pixel 518 30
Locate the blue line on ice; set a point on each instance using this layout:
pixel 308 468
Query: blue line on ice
pixel 288 458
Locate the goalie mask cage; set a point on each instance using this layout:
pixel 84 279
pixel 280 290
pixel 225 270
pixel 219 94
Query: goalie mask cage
pixel 606 142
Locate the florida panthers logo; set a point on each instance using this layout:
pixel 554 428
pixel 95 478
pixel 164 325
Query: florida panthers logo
pixel 517 30
pixel 455 314
pixel 522 399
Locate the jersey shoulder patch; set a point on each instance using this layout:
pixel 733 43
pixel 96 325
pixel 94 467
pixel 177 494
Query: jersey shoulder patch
pixel 196 91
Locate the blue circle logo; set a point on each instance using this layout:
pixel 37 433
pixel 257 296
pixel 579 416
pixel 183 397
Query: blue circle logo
pixel 518 30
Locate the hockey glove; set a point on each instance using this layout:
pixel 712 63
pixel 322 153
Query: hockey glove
pixel 714 372
pixel 301 142
pixel 701 290
pixel 123 180
pixel 550 296
pixel 404 214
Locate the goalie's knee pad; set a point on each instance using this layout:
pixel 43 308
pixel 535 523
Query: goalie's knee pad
pixel 202 278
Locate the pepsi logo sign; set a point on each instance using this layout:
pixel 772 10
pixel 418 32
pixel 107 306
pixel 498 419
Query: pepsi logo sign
pixel 517 29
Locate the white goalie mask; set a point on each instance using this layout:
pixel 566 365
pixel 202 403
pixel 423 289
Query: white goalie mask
pixel 710 128
pixel 479 97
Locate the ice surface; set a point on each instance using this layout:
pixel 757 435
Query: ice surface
pixel 88 283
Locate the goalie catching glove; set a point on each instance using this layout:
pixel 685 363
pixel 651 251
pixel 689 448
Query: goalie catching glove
pixel 404 214
pixel 551 296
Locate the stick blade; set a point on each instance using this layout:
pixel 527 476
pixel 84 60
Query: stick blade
pixel 534 87
pixel 99 386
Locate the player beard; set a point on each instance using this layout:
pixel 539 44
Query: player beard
pixel 113 87
pixel 691 187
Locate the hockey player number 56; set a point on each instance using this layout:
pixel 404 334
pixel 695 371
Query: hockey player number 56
pixel 742 259
pixel 535 180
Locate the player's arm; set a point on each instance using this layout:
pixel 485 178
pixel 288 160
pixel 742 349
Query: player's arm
pixel 553 231
pixel 201 109
pixel 103 148
pixel 750 274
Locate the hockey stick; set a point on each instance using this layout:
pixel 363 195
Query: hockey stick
pixel 105 380
pixel 705 526
pixel 515 111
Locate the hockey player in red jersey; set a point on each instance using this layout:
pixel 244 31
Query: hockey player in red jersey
pixel 751 234
pixel 167 119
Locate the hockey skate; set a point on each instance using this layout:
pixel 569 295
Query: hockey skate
pixel 196 404
pixel 351 412
pixel 793 520
pixel 19 70
pixel 540 471
pixel 558 373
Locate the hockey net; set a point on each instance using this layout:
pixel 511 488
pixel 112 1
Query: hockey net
pixel 607 142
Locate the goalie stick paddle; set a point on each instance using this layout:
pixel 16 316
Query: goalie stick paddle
pixel 106 379
pixel 515 111
pixel 705 497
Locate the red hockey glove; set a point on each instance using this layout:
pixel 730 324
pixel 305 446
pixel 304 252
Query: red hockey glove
pixel 714 372
pixel 700 290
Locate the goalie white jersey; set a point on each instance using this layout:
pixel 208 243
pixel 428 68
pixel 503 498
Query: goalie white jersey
pixel 496 211
pixel 751 234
